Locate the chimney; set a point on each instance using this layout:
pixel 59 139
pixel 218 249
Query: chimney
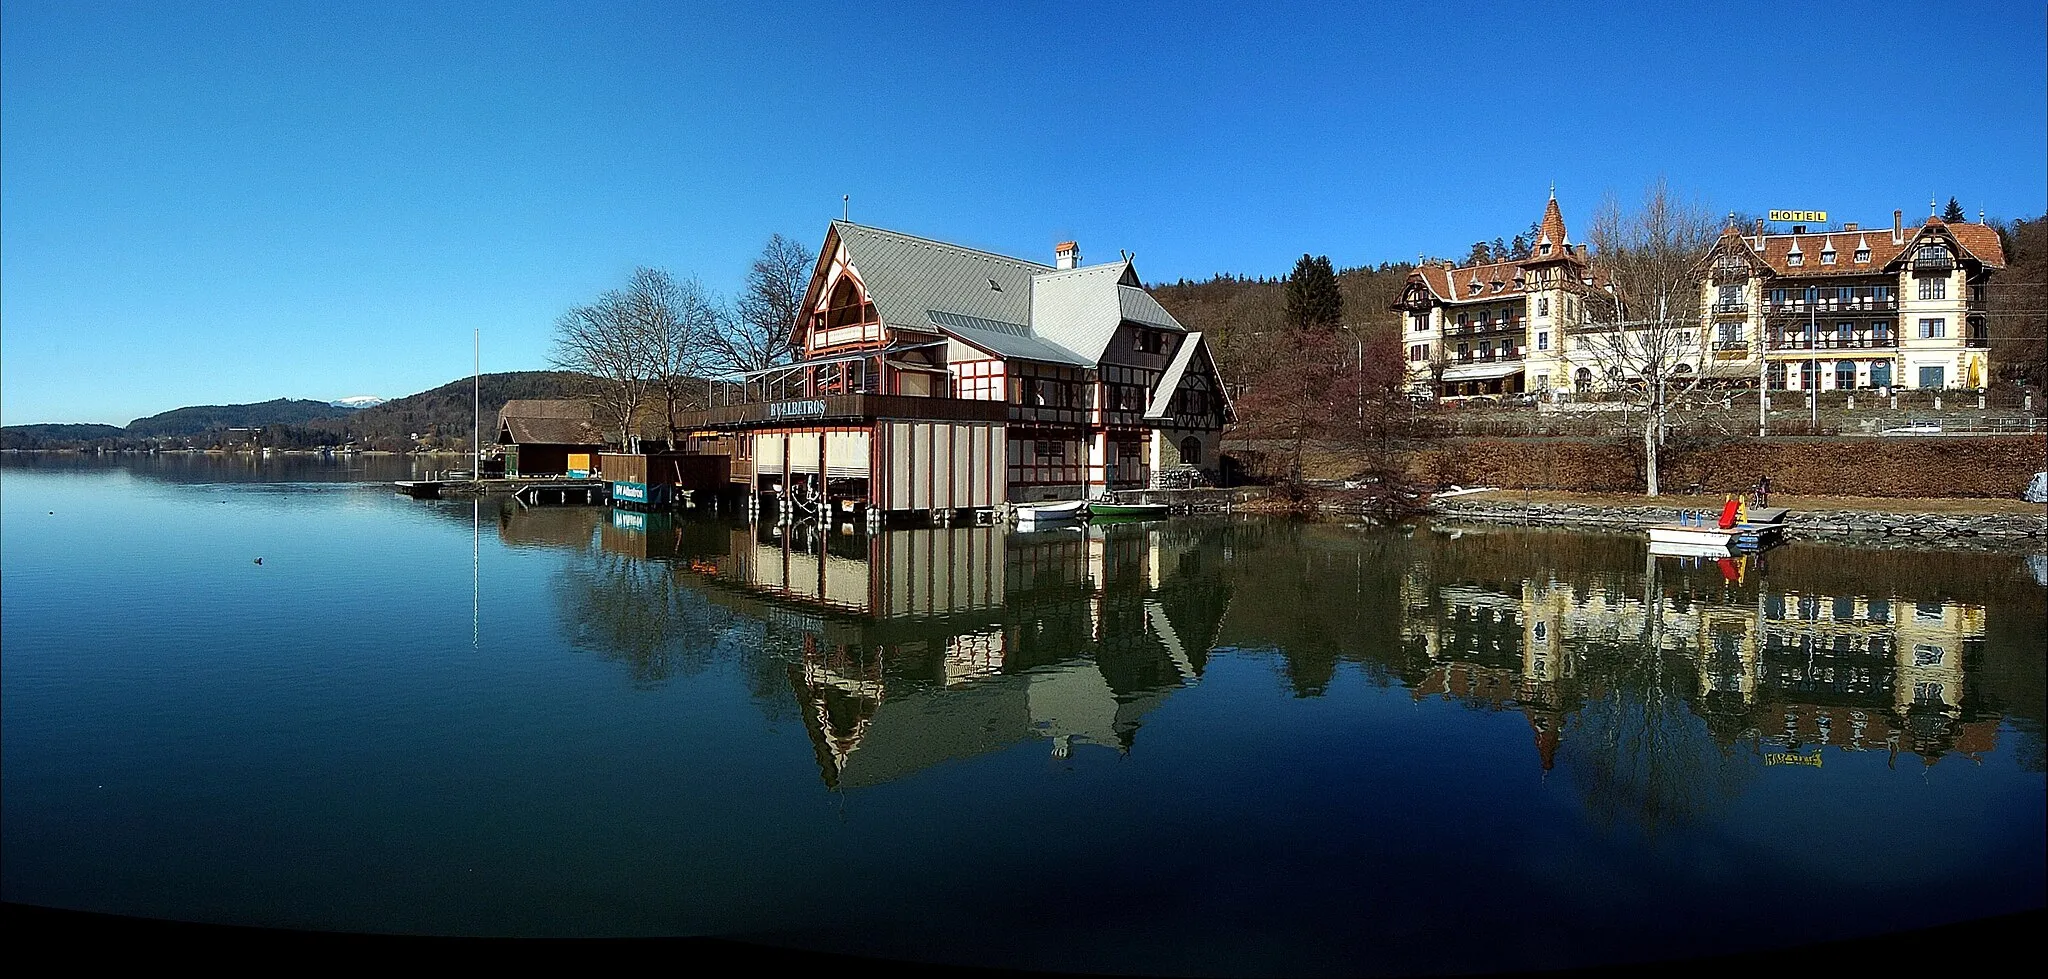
pixel 1898 227
pixel 1759 231
pixel 1851 226
pixel 1067 255
pixel 1799 229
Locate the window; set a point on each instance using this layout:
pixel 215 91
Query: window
pixel 1543 307
pixel 1845 375
pixel 1880 610
pixel 1191 450
pixel 1934 377
pixel 1486 350
pixel 1731 297
pixel 1795 257
pixel 1485 319
pixel 1542 384
pixel 1570 309
pixel 1845 610
pixel 1583 379
pixel 1421 322
pixel 1881 332
pixel 1731 335
pixel 1933 329
pixel 1880 377
pixel 1543 339
pixel 1934 287
pixel 1149 341
pixel 1927 693
pixel 1926 655
pixel 1417 353
pixel 1844 333
pixel 1862 256
pixel 1827 256
pixel 1776 376
pixel 1464 351
pixel 1050 449
pixel 1461 321
pixel 1780 297
pixel 1927 612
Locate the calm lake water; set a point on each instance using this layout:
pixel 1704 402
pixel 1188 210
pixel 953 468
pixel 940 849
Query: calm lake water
pixel 1197 746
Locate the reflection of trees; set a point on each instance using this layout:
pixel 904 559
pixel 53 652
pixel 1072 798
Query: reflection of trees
pixel 1638 751
pixel 638 612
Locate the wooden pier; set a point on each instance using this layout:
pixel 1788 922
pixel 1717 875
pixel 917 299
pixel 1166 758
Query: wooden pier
pixel 537 491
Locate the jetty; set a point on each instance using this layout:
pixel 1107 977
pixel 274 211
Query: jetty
pixel 535 491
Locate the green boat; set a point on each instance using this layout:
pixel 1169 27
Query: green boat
pixel 1127 511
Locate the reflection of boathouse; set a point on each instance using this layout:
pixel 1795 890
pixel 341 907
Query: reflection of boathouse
pixel 935 377
pixel 909 647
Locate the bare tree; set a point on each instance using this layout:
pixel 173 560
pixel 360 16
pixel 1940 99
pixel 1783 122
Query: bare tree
pixel 762 331
pixel 1647 338
pixel 677 324
pixel 603 341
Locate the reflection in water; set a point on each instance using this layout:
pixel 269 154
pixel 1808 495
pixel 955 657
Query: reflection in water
pixel 1663 685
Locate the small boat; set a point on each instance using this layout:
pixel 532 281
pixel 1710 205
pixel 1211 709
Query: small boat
pixel 1033 513
pixel 1737 529
pixel 1127 511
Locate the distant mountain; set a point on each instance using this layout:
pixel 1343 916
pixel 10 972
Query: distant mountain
pixel 49 436
pixel 206 418
pixel 448 411
pixel 358 401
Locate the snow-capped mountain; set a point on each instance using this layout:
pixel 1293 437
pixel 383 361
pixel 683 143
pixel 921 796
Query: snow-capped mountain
pixel 358 401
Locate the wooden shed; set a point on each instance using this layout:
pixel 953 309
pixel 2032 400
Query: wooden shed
pixel 548 438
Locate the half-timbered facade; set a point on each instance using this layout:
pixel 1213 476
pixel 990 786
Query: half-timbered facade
pixel 932 376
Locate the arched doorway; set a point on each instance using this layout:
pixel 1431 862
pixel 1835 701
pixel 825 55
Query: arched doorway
pixel 1582 379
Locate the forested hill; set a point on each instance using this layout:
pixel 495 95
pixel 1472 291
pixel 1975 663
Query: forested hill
pixel 447 411
pixel 39 436
pixel 1235 312
pixel 206 418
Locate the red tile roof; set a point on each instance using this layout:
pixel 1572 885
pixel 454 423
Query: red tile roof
pixel 1552 228
pixel 1980 240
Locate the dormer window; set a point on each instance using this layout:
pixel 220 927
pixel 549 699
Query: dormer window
pixel 1827 257
pixel 1795 257
pixel 1863 256
pixel 1476 287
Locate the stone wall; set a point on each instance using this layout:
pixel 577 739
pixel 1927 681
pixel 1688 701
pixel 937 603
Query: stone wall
pixel 1915 528
pixel 1991 466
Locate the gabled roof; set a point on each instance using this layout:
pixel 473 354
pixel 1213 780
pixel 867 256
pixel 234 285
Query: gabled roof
pixel 1005 339
pixel 907 277
pixel 536 422
pixel 1006 306
pixel 1177 369
pixel 1981 241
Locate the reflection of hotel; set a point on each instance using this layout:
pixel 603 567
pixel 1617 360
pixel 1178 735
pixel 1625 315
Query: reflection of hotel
pixel 911 647
pixel 1792 668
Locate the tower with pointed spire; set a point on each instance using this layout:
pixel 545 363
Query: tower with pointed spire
pixel 1499 328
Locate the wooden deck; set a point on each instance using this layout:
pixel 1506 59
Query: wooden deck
pixel 535 491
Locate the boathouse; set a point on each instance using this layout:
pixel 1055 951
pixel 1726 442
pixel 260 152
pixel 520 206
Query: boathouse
pixel 548 438
pixel 934 377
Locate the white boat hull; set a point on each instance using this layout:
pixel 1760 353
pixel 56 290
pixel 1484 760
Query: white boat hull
pixel 1676 534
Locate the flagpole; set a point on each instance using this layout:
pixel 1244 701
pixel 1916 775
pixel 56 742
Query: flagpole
pixel 476 393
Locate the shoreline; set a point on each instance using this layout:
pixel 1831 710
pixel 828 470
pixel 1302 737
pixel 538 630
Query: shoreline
pixel 1971 523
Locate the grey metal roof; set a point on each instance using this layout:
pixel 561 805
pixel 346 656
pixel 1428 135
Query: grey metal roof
pixel 907 276
pixel 1007 305
pixel 1006 339
pixel 1169 382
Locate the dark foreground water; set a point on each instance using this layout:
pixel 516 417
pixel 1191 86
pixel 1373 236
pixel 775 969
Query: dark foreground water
pixel 1186 747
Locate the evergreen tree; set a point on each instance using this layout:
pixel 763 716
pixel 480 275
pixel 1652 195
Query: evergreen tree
pixel 1500 250
pixel 1519 248
pixel 1313 300
pixel 1954 211
pixel 1481 254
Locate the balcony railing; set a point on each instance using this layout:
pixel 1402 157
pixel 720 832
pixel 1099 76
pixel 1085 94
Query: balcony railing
pixel 1833 343
pixel 1873 304
pixel 1493 358
pixel 1737 345
pixel 1732 306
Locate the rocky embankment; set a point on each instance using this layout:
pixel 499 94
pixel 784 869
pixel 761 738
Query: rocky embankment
pixel 1915 528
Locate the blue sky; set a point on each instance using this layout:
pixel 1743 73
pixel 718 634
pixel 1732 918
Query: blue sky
pixel 222 203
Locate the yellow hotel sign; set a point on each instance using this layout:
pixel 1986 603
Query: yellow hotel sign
pixel 1816 217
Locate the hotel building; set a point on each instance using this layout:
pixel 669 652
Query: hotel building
pixel 1806 310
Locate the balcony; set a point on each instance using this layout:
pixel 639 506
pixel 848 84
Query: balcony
pixel 1505 356
pixel 1833 343
pixel 1868 304
pixel 1738 346
pixel 859 408
pixel 1731 307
